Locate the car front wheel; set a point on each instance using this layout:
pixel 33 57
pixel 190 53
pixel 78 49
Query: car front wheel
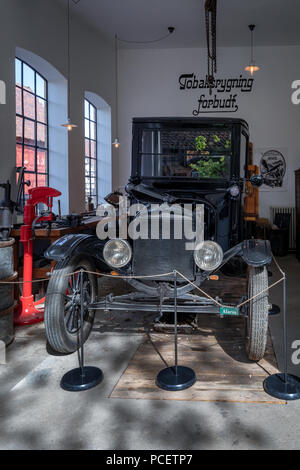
pixel 63 303
pixel 258 313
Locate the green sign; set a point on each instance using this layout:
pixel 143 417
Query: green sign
pixel 233 311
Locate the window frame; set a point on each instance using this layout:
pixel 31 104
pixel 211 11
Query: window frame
pixel 89 157
pixel 35 121
pixel 139 154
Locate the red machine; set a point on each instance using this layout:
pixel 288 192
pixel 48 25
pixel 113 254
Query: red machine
pixel 27 313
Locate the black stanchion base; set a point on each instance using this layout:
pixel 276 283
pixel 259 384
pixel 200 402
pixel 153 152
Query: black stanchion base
pixel 75 381
pixel 168 380
pixel 275 386
pixel 274 310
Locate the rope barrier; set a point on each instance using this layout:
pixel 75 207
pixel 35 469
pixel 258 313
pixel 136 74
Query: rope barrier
pixel 161 275
pixel 90 272
pixel 198 288
pixel 127 277
pixel 242 303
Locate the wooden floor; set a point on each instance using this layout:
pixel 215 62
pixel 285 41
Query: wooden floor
pixel 217 355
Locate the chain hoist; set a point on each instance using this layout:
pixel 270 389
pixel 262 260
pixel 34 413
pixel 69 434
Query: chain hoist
pixel 211 38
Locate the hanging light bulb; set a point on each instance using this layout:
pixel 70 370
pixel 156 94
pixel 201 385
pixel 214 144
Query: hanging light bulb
pixel 252 67
pixel 69 125
pixel 116 143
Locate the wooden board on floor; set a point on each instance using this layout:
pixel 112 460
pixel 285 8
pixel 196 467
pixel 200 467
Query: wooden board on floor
pixel 217 355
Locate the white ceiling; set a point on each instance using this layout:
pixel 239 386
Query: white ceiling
pixel 277 21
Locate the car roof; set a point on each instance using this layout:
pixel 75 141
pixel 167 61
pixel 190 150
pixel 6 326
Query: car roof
pixel 191 120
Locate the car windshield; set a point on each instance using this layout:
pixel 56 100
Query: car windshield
pixel 193 153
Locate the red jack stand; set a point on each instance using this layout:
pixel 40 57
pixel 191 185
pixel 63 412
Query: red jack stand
pixel 27 312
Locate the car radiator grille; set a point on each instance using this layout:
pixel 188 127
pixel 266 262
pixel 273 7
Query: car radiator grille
pixel 162 256
pixel 159 256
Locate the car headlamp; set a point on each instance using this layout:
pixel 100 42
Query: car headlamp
pixel 117 253
pixel 208 255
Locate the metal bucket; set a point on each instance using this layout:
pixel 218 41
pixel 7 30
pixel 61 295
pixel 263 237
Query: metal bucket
pixel 7 291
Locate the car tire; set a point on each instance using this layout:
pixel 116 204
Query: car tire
pixel 62 305
pixel 258 313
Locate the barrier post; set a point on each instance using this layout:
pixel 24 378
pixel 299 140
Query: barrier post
pixel 83 377
pixel 178 377
pixel 283 385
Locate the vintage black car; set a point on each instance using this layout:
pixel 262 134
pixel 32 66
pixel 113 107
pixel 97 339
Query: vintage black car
pixel 196 164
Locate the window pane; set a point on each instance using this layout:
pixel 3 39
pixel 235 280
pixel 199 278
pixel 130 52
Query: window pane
pixel 87 128
pixel 90 125
pixel 32 178
pixel 28 78
pixel 31 124
pixel 87 167
pixel 86 109
pixel 87 186
pixel 87 148
pixel 29 132
pixel 92 113
pixel 18 67
pixel 93 186
pixel 29 158
pixel 41 180
pixel 29 105
pixel 94 201
pixel 19 129
pixel 42 161
pixel 41 110
pixel 40 86
pixel 93 131
pixel 19 155
pixel 41 135
pixel 18 100
pixel 93 167
pixel 93 149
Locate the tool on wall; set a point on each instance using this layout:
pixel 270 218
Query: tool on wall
pixel 27 312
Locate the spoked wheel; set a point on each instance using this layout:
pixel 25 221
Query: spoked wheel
pixel 63 304
pixel 73 301
pixel 258 313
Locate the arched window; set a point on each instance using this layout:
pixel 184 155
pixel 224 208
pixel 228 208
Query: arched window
pixel 103 149
pixel 32 124
pixel 90 134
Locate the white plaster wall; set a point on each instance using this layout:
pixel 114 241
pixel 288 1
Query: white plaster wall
pixel 149 87
pixel 39 26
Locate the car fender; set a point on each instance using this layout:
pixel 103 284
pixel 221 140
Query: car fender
pixel 70 245
pixel 257 252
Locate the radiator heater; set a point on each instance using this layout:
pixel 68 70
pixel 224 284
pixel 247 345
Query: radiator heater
pixel 292 212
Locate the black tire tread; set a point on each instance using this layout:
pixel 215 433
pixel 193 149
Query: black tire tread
pixel 259 313
pixel 54 316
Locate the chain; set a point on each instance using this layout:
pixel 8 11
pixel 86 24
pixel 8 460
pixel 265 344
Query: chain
pixel 211 39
